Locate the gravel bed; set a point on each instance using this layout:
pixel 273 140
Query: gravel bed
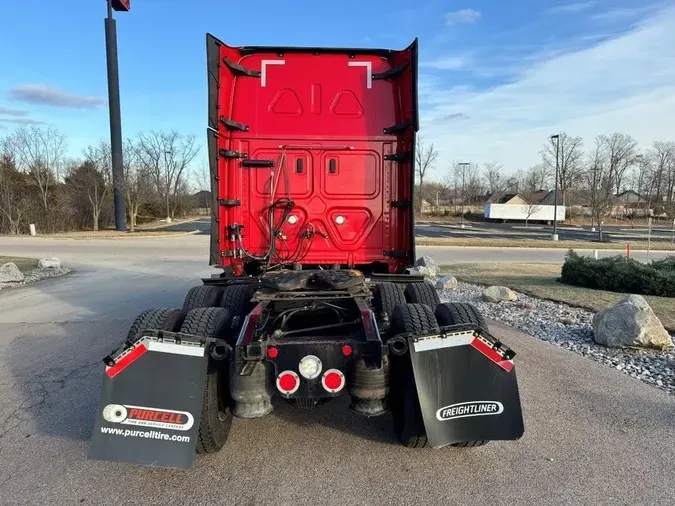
pixel 570 328
pixel 36 275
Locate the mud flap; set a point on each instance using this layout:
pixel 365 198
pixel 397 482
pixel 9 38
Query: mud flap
pixel 467 388
pixel 151 403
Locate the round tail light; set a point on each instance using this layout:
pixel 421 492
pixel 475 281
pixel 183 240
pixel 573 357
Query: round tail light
pixel 288 382
pixel 333 381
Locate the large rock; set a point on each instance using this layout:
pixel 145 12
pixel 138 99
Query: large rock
pixel 630 323
pixel 422 271
pixel 10 273
pixel 49 263
pixel 499 294
pixel 446 283
pixel 429 263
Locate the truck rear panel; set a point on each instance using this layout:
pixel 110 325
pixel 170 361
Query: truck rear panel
pixel 315 147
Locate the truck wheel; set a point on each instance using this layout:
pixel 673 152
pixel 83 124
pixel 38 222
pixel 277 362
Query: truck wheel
pixel 202 296
pixel 216 416
pixel 156 319
pixel 237 300
pixel 457 313
pixel 387 297
pixel 403 400
pixel 422 293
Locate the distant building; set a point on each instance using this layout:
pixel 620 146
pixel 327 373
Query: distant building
pixel 202 200
pixel 515 199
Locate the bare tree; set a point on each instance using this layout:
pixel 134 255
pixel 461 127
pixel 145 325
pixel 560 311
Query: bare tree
pixel 137 182
pixel 166 155
pixel 662 176
pixel 570 160
pixel 537 178
pixel 494 180
pixel 530 209
pixel 620 152
pixel 601 182
pixel 425 160
pixel 13 199
pixel 40 152
pixel 91 179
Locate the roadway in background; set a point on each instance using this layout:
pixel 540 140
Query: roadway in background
pixel 593 434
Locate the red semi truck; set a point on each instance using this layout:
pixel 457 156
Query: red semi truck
pixel 312 168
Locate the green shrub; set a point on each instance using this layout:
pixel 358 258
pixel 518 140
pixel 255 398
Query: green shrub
pixel 620 274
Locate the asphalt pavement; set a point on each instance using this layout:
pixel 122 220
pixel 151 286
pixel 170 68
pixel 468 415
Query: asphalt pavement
pixel 593 435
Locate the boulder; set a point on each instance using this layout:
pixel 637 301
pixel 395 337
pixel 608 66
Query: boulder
pixel 49 263
pixel 499 294
pixel 10 273
pixel 422 271
pixel 429 263
pixel 629 324
pixel 446 283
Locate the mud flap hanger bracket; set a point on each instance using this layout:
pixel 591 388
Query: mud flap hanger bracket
pixel 456 335
pixel 219 348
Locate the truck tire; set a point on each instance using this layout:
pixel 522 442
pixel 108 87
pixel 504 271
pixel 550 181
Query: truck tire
pixel 237 300
pixel 216 417
pixel 202 296
pixel 457 313
pixel 404 403
pixel 422 293
pixel 156 319
pixel 387 297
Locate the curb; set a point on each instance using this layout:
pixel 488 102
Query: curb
pixel 114 237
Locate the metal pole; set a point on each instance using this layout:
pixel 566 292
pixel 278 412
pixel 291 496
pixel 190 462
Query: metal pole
pixel 555 189
pixel 115 120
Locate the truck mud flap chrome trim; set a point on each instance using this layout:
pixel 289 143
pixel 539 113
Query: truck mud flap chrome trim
pixel 147 414
pixel 467 387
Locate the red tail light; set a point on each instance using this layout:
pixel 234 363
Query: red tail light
pixel 288 382
pixel 333 381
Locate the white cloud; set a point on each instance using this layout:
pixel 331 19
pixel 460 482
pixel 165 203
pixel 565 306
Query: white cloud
pixel 456 62
pixel 570 8
pixel 47 95
pixel 462 16
pixel 624 84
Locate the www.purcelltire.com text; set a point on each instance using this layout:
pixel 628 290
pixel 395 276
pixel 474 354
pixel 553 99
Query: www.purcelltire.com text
pixel 146 434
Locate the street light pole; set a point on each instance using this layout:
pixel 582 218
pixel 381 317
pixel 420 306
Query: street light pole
pixel 115 115
pixel 555 187
pixel 463 165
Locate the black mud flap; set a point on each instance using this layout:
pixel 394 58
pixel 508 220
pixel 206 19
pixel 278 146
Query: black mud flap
pixel 151 403
pixel 466 383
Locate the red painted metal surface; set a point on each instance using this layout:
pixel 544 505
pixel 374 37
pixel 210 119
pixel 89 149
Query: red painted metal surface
pixel 121 5
pixel 314 121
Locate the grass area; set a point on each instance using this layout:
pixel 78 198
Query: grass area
pixel 111 234
pixel 539 280
pixel 540 243
pixel 24 264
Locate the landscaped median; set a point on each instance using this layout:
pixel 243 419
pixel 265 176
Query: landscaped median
pixel 564 315
pixel 487 242
pixel 18 271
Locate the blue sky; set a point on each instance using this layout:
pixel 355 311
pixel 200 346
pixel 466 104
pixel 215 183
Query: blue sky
pixel 496 77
